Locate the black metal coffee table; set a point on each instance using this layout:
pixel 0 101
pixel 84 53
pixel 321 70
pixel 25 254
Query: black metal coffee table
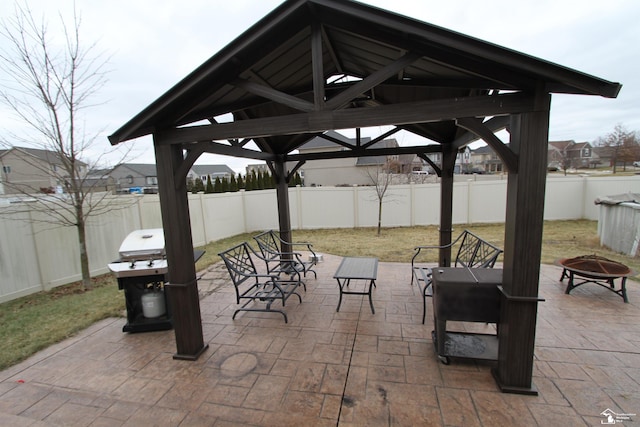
pixel 352 268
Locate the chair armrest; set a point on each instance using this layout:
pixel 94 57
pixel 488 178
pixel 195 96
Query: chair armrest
pixel 418 249
pixel 307 244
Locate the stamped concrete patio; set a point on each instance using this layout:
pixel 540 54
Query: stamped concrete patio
pixel 328 368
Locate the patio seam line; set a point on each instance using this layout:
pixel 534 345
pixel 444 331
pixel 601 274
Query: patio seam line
pixel 589 349
pixel 346 380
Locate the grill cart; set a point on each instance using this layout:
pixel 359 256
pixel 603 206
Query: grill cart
pixel 142 273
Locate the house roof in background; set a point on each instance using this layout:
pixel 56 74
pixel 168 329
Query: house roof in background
pixel 377 160
pixel 47 156
pixel 319 142
pixel 202 170
pixel 142 169
pixel 485 149
pixel 561 145
pixel 579 145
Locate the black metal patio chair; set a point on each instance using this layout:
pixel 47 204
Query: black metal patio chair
pixel 254 287
pixel 473 252
pixel 283 262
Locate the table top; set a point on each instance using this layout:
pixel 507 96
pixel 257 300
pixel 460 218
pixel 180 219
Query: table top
pixel 357 268
pixel 455 276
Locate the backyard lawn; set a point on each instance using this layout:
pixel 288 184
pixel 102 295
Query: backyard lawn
pixel 35 322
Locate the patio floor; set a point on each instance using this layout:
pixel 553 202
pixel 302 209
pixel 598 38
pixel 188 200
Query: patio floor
pixel 328 368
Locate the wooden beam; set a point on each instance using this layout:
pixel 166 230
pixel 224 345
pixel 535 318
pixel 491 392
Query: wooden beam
pixel 494 124
pixel 294 170
pixel 332 52
pixel 284 212
pixel 182 290
pixel 320 121
pixel 227 150
pixel 317 66
pixel 193 153
pixel 373 80
pixel 382 137
pixel 522 250
pixel 274 95
pixel 369 152
pixel 449 154
pixel 435 167
pixel 336 141
pixel 476 126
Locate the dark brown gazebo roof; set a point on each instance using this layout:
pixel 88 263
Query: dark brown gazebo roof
pixel 385 59
pixel 312 66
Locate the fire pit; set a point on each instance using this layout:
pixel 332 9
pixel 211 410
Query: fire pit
pixel 595 269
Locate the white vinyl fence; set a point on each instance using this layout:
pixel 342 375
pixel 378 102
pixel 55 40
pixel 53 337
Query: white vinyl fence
pixel 35 256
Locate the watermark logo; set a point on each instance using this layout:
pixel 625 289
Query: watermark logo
pixel 613 418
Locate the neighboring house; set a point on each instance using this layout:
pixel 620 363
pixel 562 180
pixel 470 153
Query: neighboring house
pixel 143 177
pixel 557 155
pixel 582 155
pixel 483 160
pixel 202 172
pixel 350 171
pixel 135 177
pixel 257 167
pixel 561 155
pixel 99 180
pixel 32 170
pixel 571 154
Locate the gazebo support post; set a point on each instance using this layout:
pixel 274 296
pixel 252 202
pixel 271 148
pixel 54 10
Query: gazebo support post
pixel 282 194
pixel 182 289
pixel 523 244
pixel 449 153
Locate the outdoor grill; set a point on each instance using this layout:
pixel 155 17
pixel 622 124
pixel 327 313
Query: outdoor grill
pixel 141 271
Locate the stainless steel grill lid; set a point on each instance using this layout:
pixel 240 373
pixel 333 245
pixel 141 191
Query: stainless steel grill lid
pixel 141 254
pixel 144 244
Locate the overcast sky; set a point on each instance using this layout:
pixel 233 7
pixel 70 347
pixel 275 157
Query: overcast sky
pixel 153 44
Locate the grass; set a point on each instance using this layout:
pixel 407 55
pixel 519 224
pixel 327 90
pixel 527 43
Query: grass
pixel 35 322
pixel 561 239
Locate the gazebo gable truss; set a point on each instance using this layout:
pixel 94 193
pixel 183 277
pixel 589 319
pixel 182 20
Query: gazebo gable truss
pixel 317 65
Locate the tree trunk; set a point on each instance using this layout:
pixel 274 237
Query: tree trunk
pixel 82 244
pixel 379 215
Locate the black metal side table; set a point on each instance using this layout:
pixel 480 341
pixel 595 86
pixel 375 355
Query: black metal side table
pixel 353 268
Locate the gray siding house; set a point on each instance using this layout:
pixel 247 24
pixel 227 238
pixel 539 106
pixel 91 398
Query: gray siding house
pixel 142 177
pixel 30 171
pixel 350 171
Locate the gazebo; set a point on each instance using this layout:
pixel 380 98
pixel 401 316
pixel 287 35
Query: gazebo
pixel 311 66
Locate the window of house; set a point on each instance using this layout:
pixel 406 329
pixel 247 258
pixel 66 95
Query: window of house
pixel 6 169
pixel 152 180
pixel 129 179
pixel 586 152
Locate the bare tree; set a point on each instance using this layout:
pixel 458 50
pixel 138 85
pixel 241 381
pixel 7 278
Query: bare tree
pixel 48 84
pixel 380 179
pixel 623 146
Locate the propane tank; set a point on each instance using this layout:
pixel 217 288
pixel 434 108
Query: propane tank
pixel 153 304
